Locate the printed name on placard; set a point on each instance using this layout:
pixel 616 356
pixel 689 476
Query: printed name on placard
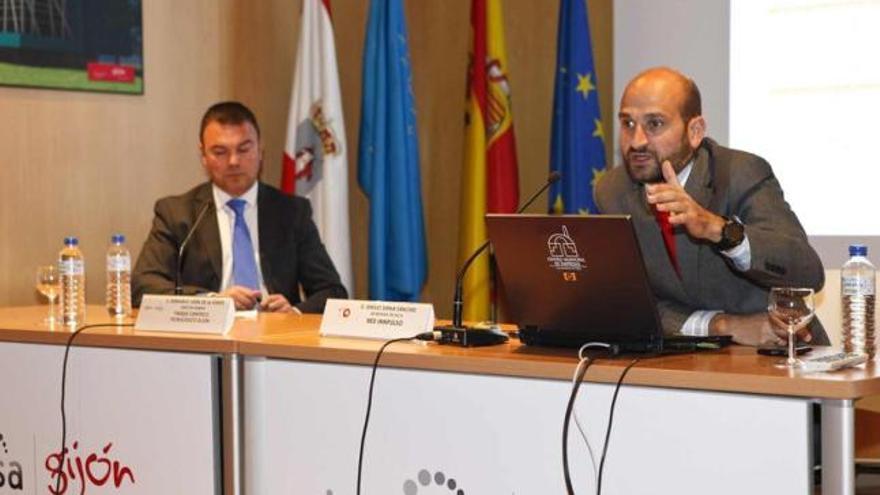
pixel 376 319
pixel 197 314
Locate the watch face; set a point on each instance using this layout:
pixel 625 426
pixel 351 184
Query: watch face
pixel 732 235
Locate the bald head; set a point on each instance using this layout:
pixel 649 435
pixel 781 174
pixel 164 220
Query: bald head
pixel 673 83
pixel 660 119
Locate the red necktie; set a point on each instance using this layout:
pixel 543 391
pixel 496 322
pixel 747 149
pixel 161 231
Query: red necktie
pixel 668 236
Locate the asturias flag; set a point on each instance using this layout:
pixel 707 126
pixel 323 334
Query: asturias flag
pixel 577 148
pixel 315 164
pixel 388 159
pixel 489 181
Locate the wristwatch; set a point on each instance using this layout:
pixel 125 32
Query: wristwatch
pixel 732 234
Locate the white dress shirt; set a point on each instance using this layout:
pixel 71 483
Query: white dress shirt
pixel 226 222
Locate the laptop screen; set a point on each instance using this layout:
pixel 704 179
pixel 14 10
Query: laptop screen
pixel 575 279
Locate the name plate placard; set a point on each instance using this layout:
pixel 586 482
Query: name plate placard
pixel 376 319
pixel 191 314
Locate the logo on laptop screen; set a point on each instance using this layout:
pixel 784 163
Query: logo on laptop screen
pixel 564 256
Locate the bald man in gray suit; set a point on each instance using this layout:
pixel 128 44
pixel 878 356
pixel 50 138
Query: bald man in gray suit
pixel 729 234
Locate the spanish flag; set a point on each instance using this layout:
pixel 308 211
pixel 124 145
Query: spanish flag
pixel 489 181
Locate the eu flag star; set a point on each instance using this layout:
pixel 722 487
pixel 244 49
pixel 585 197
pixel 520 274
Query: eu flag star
pixel 585 84
pixel 597 176
pixel 558 205
pixel 598 131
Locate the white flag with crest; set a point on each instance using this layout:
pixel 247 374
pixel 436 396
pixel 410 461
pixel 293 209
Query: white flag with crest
pixel 315 164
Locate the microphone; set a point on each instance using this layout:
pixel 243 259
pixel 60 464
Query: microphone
pixel 178 289
pixel 471 337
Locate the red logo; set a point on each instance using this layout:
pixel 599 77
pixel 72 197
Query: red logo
pixel 95 470
pixel 110 72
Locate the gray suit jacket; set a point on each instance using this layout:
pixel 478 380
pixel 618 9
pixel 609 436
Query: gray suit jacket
pixel 731 183
pixel 291 252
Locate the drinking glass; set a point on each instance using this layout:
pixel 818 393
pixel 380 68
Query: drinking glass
pixel 793 308
pixel 49 284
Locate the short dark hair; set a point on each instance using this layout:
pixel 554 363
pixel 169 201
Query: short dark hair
pixel 692 106
pixel 226 113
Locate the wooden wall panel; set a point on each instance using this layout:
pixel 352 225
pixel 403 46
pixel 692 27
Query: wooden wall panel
pixel 91 164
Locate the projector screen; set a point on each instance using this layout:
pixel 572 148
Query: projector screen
pixel 805 95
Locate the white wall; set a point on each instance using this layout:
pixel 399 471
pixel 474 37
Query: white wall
pixel 689 35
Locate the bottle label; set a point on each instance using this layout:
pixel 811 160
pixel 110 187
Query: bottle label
pixel 118 264
pixel 857 286
pixel 72 267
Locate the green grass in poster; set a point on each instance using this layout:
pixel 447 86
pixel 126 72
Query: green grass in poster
pixel 22 75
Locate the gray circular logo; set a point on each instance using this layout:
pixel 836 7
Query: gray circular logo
pixel 425 479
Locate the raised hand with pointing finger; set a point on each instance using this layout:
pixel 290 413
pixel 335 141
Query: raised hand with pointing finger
pixel 671 197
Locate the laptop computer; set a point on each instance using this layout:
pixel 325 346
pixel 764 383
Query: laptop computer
pixel 569 280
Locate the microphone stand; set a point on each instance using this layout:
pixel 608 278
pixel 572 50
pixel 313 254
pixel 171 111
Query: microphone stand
pixel 178 288
pixel 457 333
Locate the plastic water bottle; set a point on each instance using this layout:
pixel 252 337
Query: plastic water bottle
pixel 118 295
pixel 857 282
pixel 72 268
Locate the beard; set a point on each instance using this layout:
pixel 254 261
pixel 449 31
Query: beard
pixel 643 163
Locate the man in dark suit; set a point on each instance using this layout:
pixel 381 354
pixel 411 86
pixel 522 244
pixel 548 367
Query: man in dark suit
pixel 253 244
pixel 712 222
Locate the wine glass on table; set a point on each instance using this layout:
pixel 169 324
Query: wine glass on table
pixel 792 308
pixel 49 285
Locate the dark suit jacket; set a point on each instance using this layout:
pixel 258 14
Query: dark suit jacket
pixel 727 182
pixel 291 252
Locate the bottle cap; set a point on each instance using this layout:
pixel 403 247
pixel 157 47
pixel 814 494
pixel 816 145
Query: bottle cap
pixel 71 241
pixel 117 239
pixel 858 250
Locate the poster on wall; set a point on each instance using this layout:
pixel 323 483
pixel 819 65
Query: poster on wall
pixel 87 45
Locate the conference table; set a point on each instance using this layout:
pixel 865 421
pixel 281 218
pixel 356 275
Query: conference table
pixel 273 407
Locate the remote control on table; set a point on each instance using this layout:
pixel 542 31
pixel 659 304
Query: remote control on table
pixel 831 362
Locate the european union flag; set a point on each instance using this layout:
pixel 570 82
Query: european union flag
pixel 388 159
pixel 577 147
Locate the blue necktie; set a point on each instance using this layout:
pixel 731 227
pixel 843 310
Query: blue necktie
pixel 244 265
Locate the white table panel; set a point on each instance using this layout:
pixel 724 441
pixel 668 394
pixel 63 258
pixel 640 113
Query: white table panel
pixel 502 435
pixel 157 409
